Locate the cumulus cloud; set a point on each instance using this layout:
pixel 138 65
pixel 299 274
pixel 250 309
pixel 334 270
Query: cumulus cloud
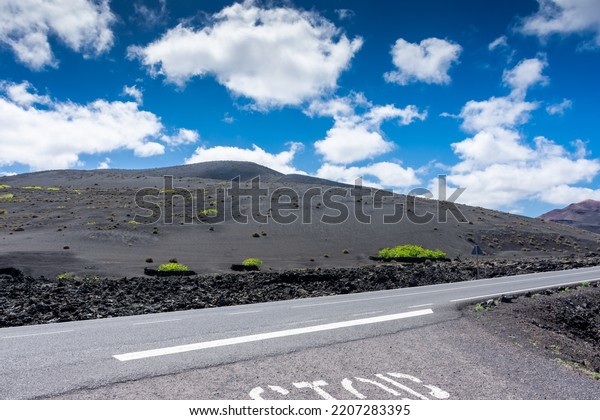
pixel 564 17
pixel 561 195
pixel 134 92
pixel 45 133
pixel 498 167
pixel 281 162
pixel 559 108
pixel 28 25
pixel 427 62
pixel 355 137
pixel 276 57
pixel 105 164
pixel 526 74
pixel 182 137
pixel 376 175
pixel 504 112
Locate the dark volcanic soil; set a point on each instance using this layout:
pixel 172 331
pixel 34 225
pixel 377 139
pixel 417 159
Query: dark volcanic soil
pixel 563 324
pixel 27 300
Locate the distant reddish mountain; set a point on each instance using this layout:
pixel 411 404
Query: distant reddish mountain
pixel 584 215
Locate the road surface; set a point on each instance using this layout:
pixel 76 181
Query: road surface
pixel 404 343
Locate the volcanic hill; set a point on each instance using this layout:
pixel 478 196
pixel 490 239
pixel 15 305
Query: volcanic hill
pixel 88 222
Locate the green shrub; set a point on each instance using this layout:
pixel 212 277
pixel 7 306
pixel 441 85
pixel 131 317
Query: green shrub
pixel 208 212
pixel 3 186
pixel 252 262
pixel 6 197
pixel 173 267
pixel 66 276
pixel 3 211
pixel 32 188
pixel 410 251
pixel 52 189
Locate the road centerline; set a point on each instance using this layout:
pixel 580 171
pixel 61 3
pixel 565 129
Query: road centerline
pixel 266 336
pixel 38 334
pixel 157 322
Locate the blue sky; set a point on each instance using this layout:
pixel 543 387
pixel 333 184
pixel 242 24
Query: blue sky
pixel 499 95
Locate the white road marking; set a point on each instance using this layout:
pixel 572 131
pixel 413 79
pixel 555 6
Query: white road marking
pixel 420 306
pixel 306 322
pixel 347 384
pixel 243 313
pixel 317 387
pixel 37 334
pixel 266 336
pixel 449 288
pixel 402 387
pixel 156 322
pixel 367 313
pixel 531 289
pixel 380 385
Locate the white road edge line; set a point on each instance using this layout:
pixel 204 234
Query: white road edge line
pixel 531 289
pixel 267 336
pixel 420 306
pixel 156 322
pixel 34 335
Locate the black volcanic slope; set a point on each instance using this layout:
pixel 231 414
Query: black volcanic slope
pixel 584 215
pixel 84 222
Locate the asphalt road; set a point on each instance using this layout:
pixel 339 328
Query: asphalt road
pixel 404 343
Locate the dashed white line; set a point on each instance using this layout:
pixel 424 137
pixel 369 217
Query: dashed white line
pixel 37 334
pixel 266 336
pixel 448 288
pixel 420 306
pixel 243 313
pixel 367 313
pixel 156 322
pixel 511 292
pixel 306 322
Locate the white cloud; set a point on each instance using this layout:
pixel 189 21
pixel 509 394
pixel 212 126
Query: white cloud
pixel 490 145
pixel 182 137
pixel 505 112
pixel 278 56
pixel 504 184
pixel 427 62
pixel 561 195
pixel 281 162
pixel 8 173
pixel 525 75
pixel 376 175
pixel 134 92
pixel 23 94
pixel 49 134
pixel 498 167
pixel 500 42
pixel 355 137
pixel 228 119
pixel 564 17
pixel 82 25
pixel 559 108
pixel 105 164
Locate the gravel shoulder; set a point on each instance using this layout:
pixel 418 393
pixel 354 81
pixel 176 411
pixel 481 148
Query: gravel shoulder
pixel 563 325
